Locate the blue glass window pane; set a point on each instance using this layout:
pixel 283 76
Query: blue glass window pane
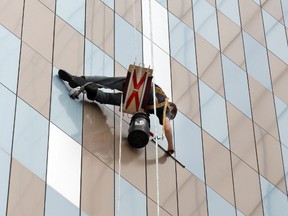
pixel 159 25
pixel 110 3
pixel 256 60
pixel 97 62
pixel 57 205
pixel 4 179
pixel 162 2
pixel 285 12
pixel 65 112
pixel 6 118
pixel 275 36
pixel 274 201
pixel 239 213
pixel 9 58
pixel 285 161
pixel 188 144
pixel 182 43
pixel 73 12
pixel 217 205
pixel 282 116
pixel 257 1
pixel 132 201
pixel 236 86
pixel 64 160
pixel 213 113
pixel 161 65
pixel 230 9
pixel 125 39
pixel 31 139
pixel 205 21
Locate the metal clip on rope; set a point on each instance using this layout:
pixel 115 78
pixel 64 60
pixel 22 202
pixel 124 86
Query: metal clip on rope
pixel 75 94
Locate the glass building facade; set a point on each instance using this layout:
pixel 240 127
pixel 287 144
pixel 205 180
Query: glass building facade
pixel 223 62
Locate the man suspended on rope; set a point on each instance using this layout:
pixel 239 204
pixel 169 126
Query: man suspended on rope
pixel 91 84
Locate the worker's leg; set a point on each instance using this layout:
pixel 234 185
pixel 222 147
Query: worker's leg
pixel 73 81
pixel 107 82
pixel 108 98
pixel 94 94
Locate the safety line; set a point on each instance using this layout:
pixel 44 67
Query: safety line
pixel 120 156
pixel 135 35
pixel 155 120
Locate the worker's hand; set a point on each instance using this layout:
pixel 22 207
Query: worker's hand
pixel 170 151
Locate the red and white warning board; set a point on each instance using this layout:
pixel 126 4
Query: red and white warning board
pixel 137 88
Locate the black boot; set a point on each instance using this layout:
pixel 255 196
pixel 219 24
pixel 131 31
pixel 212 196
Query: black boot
pixel 74 81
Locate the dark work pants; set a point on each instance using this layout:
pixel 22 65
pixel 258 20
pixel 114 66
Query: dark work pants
pixel 114 83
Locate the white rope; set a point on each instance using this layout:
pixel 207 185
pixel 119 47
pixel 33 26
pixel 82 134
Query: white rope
pixel 120 157
pixel 135 35
pixel 155 121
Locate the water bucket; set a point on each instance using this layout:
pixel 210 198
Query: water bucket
pixel 138 134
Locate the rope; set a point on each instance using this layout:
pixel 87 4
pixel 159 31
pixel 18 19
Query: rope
pixel 75 95
pixel 120 156
pixel 135 35
pixel 155 121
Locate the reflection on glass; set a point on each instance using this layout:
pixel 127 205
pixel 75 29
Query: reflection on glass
pixel 159 24
pixel 285 161
pixel 257 1
pixel 217 205
pixel 132 201
pixel 236 86
pixel 255 54
pixel 182 43
pixel 7 116
pixel 213 113
pixel 97 62
pixel 64 164
pixel 162 2
pixel 285 11
pixel 65 112
pixel 188 145
pixel 161 66
pixel 30 139
pixel 205 21
pixel 73 12
pixel 57 205
pixel 275 36
pixel 230 9
pixel 274 201
pixel 128 43
pixel 9 58
pixel 4 179
pixel 239 213
pixel 110 3
pixel 158 130
pixel 282 116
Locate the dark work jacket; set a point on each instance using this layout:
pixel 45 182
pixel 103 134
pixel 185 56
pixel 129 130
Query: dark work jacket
pixel 160 102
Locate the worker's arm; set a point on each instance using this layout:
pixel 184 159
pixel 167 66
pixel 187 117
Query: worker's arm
pixel 168 135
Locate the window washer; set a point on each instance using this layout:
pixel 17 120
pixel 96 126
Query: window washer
pixel 91 84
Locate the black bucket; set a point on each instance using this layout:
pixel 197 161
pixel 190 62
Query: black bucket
pixel 138 134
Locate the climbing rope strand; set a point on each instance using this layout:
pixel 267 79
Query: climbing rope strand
pixel 155 121
pixel 120 157
pixel 156 155
pixel 151 34
pixel 135 35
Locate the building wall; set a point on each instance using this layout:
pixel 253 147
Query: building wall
pixel 223 62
